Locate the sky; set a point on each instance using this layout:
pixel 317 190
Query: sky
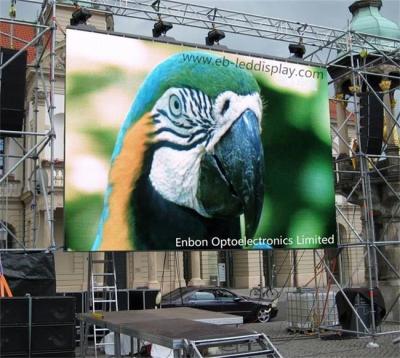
pixel 329 13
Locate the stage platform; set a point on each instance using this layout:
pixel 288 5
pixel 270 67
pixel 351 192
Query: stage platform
pixel 174 328
pixel 114 319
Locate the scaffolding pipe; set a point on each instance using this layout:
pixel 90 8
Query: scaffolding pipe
pixel 367 206
pixel 249 25
pixel 51 117
pixel 28 153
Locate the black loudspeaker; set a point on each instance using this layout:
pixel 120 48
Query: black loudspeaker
pixel 52 329
pixel 53 354
pixel 53 338
pixel 347 317
pixel 49 310
pixel 12 90
pixel 80 303
pixel 371 123
pixel 14 311
pixel 123 300
pixel 142 299
pixel 14 341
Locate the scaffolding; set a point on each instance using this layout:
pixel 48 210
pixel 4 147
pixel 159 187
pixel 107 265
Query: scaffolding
pixel 355 55
pixel 44 40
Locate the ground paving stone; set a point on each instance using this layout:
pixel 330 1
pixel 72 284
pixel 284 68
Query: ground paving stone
pixel 310 345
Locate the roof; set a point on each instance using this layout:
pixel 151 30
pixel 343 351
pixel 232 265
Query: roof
pixel 368 19
pixel 19 32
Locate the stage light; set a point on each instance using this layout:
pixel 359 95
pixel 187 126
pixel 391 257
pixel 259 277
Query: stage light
pixel 80 15
pixel 297 50
pixel 161 28
pixel 214 36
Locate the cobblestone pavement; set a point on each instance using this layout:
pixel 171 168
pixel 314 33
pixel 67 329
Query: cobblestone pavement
pixel 310 345
pixel 300 345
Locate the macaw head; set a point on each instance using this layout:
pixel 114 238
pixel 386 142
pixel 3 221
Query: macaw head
pixel 204 140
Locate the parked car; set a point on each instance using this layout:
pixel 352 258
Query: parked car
pixel 222 300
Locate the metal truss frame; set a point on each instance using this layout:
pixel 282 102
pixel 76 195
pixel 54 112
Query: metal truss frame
pixel 239 23
pixel 326 46
pixel 358 74
pixel 43 27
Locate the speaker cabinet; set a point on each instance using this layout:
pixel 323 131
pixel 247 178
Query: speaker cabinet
pixel 12 91
pixel 14 311
pixel 123 300
pixel 53 338
pixel 80 300
pixel 371 123
pixel 142 299
pixel 53 354
pixel 14 340
pixel 52 327
pixel 49 310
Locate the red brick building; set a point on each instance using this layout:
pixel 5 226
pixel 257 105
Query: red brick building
pixel 16 36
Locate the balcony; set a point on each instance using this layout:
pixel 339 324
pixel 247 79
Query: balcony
pixel 35 186
pixel 10 188
pixel 58 174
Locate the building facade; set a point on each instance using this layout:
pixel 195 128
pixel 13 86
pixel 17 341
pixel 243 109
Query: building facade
pixel 25 206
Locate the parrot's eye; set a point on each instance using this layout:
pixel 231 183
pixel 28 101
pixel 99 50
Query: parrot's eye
pixel 225 106
pixel 175 106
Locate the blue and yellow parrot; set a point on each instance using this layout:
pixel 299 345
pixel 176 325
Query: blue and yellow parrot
pixel 188 159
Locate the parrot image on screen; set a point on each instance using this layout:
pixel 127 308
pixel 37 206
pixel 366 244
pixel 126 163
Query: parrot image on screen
pixel 188 161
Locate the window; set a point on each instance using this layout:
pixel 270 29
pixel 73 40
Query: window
pixel 223 295
pixel 176 294
pixel 203 296
pixel 6 238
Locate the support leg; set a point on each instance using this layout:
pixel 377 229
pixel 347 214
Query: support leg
pixel 82 338
pixel 117 345
pixel 131 340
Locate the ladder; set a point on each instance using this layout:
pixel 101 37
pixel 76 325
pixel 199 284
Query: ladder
pixel 251 345
pixel 102 293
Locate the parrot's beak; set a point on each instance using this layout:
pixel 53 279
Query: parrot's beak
pixel 231 179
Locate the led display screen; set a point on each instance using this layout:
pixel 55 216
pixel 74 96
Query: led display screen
pixel 172 147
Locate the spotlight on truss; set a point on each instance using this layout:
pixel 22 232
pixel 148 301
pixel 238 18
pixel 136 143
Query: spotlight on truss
pixel 161 28
pixel 297 50
pixel 80 15
pixel 214 36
